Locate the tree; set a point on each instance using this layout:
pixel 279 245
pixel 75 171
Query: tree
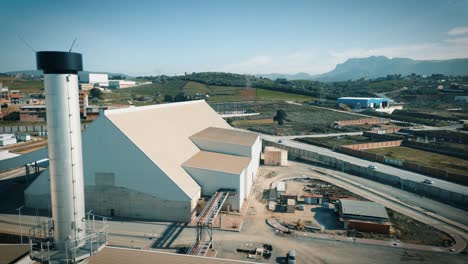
pixel 95 93
pixel 280 117
pixel 181 97
pixel 168 98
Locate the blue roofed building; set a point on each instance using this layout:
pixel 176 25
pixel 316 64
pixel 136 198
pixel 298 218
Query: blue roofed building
pixel 364 102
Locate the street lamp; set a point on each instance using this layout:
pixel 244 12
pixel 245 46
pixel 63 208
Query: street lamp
pixel 21 226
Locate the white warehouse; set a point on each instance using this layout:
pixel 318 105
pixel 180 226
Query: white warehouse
pixel 119 84
pixel 7 139
pixel 154 162
pixel 100 79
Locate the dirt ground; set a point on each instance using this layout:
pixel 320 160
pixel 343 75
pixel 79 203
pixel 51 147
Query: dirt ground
pixel 26 147
pixel 172 237
pixel 403 229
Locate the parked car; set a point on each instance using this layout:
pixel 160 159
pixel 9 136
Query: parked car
pixel 372 167
pixel 291 256
pixel 280 141
pixel 300 207
pixel 427 181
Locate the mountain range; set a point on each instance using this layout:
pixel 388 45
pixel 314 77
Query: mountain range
pixel 381 66
pixel 352 69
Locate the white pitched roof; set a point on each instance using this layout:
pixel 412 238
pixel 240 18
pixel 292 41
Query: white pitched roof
pixel 227 136
pixel 163 133
pixel 218 162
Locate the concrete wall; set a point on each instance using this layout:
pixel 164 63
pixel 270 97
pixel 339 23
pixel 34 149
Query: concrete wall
pixel 430 191
pixel 252 169
pixel 33 116
pixel 105 196
pixel 212 181
pixel 368 227
pixel 363 121
pixel 383 136
pixel 31 128
pixel 374 145
pixel 130 203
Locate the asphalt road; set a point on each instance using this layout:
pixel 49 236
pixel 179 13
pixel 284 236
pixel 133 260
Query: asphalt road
pixel 380 167
pixel 450 212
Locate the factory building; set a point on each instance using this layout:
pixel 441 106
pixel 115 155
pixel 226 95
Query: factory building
pixel 364 102
pixel 119 84
pixel 155 162
pixel 7 139
pixel 363 216
pixel 98 79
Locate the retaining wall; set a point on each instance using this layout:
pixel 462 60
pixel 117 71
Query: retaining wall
pixel 362 121
pixel 374 145
pixel 28 128
pixel 430 191
pixel 374 135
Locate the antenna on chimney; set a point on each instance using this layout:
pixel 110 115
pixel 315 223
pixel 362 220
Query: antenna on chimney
pixel 26 43
pixel 71 47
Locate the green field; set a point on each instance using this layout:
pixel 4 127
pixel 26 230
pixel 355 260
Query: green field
pixel 424 158
pixel 301 119
pixel 28 86
pixel 157 91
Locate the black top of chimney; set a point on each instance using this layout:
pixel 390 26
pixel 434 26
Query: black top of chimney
pixel 59 62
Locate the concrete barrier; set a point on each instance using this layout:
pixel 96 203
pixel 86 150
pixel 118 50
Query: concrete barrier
pixel 419 188
pixel 29 128
pixel 362 121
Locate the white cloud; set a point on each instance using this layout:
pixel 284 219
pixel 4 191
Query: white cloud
pixel 458 41
pixel 300 61
pixel 449 49
pixel 315 62
pixel 458 31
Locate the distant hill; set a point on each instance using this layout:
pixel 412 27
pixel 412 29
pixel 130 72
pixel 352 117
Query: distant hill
pixel 297 76
pixel 37 73
pixel 379 66
pixel 373 67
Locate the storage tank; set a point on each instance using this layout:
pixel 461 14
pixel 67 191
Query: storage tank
pixel 65 154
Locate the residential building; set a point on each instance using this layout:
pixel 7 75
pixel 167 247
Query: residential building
pixel 33 113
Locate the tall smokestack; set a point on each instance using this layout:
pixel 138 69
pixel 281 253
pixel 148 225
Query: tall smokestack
pixel 65 155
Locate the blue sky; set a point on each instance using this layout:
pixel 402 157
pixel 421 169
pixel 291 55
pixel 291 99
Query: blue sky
pixel 172 37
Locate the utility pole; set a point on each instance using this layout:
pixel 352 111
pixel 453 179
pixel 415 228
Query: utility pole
pixel 21 226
